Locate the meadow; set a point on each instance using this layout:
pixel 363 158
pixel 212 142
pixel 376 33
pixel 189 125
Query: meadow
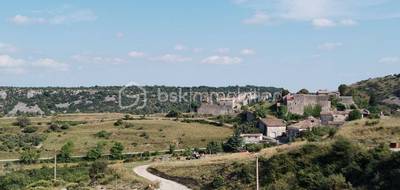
pixel 136 134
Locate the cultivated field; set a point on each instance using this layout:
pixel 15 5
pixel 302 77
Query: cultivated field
pixel 149 134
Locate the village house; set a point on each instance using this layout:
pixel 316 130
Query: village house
pixel 226 105
pixel 295 129
pixel 272 127
pixel 334 118
pixel 252 138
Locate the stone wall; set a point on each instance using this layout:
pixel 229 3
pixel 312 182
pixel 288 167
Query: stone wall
pixel 299 101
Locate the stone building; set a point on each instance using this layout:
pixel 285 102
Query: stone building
pixel 272 127
pixel 297 102
pixel 295 129
pixel 252 138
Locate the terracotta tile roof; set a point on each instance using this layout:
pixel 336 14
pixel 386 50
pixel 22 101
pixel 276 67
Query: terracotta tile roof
pixel 273 122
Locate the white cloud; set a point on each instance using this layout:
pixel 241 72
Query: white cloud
pixel 17 66
pixel 50 64
pixel 77 16
pixel 180 47
pixel 223 50
pixel 247 52
pixel 258 18
pixel 7 61
pixel 171 58
pixel 7 48
pixel 323 23
pixel 86 58
pixel 330 45
pixel 197 50
pixel 389 60
pixel 224 60
pixel 348 22
pixel 136 54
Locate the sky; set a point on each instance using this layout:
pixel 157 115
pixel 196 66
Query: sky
pixel 313 44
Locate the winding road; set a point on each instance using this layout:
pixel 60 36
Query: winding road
pixel 165 184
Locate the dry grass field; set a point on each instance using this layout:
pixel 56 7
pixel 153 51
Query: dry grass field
pixel 368 133
pixel 145 135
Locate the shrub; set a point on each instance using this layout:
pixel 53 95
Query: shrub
pixel 340 107
pixel 96 152
pixel 311 110
pixel 29 156
pixel 217 182
pixel 103 134
pixel 254 147
pixel 54 127
pixel 214 147
pixel 97 170
pixel 64 126
pixel 354 115
pixel 29 129
pixel 234 143
pixel 65 152
pixel 23 121
pixel 174 113
pixel 172 148
pixel 116 151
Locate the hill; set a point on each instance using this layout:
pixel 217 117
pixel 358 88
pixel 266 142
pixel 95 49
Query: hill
pixel 50 100
pixel 383 92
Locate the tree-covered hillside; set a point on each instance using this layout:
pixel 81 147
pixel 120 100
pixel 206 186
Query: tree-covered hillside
pixel 383 92
pixel 48 100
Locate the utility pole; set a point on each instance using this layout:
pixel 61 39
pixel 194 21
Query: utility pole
pixel 257 182
pixel 55 166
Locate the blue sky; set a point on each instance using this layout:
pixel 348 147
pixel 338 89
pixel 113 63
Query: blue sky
pixel 314 44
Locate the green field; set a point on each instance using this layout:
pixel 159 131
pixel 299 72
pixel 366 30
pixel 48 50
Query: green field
pixel 149 134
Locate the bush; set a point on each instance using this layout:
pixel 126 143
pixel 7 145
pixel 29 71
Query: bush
pixel 97 170
pixel 116 151
pixel 234 143
pixel 254 147
pixel 214 147
pixel 29 129
pixel 65 152
pixel 311 110
pixel 354 115
pixel 103 134
pixel 23 121
pixel 340 107
pixel 54 127
pixel 29 156
pixel 174 113
pixel 172 148
pixel 217 182
pixel 96 152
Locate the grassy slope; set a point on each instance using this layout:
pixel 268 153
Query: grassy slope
pixel 161 133
pixel 198 173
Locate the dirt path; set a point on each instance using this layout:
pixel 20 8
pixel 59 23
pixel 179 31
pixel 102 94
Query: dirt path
pixel 165 184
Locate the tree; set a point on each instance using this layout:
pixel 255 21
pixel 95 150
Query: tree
pixel 96 152
pixel 23 121
pixel 303 91
pixel 284 92
pixel 372 100
pixel 116 151
pixel 234 143
pixel 214 147
pixel 118 122
pixel 343 90
pixel 97 170
pixel 354 115
pixel 65 152
pixel 29 156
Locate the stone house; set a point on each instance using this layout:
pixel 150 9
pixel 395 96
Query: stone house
pixel 272 127
pixel 295 129
pixel 334 118
pixel 252 138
